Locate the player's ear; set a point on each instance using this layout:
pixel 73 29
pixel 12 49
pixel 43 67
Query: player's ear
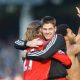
pixel 40 29
pixel 55 29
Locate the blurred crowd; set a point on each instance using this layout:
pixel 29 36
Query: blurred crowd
pixel 10 63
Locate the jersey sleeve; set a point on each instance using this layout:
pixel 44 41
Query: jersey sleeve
pixel 20 44
pixel 63 58
pixel 56 43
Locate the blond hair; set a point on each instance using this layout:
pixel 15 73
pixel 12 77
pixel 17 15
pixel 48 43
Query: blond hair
pixel 33 30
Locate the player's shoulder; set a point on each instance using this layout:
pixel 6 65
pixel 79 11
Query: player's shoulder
pixel 60 37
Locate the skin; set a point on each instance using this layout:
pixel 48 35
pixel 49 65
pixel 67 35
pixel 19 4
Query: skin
pixel 72 51
pixel 48 31
pixel 18 77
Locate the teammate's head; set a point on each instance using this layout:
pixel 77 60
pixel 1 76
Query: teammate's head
pixel 48 28
pixel 48 19
pixel 65 30
pixel 33 30
pixel 62 29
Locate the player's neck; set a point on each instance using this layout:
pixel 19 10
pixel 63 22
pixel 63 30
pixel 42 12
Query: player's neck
pixel 68 44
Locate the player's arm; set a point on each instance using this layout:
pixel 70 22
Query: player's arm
pixel 56 43
pixel 22 44
pixel 63 58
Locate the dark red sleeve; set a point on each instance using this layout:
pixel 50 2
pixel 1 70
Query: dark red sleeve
pixel 63 58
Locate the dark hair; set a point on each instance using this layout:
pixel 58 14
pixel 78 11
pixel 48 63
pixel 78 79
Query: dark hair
pixel 62 29
pixel 48 19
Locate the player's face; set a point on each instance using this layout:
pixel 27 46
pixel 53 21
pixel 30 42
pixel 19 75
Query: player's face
pixel 71 35
pixel 48 31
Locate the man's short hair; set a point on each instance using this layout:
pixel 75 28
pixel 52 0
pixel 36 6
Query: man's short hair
pixel 48 19
pixel 62 29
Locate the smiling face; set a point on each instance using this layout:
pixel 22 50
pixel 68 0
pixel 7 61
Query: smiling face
pixel 48 30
